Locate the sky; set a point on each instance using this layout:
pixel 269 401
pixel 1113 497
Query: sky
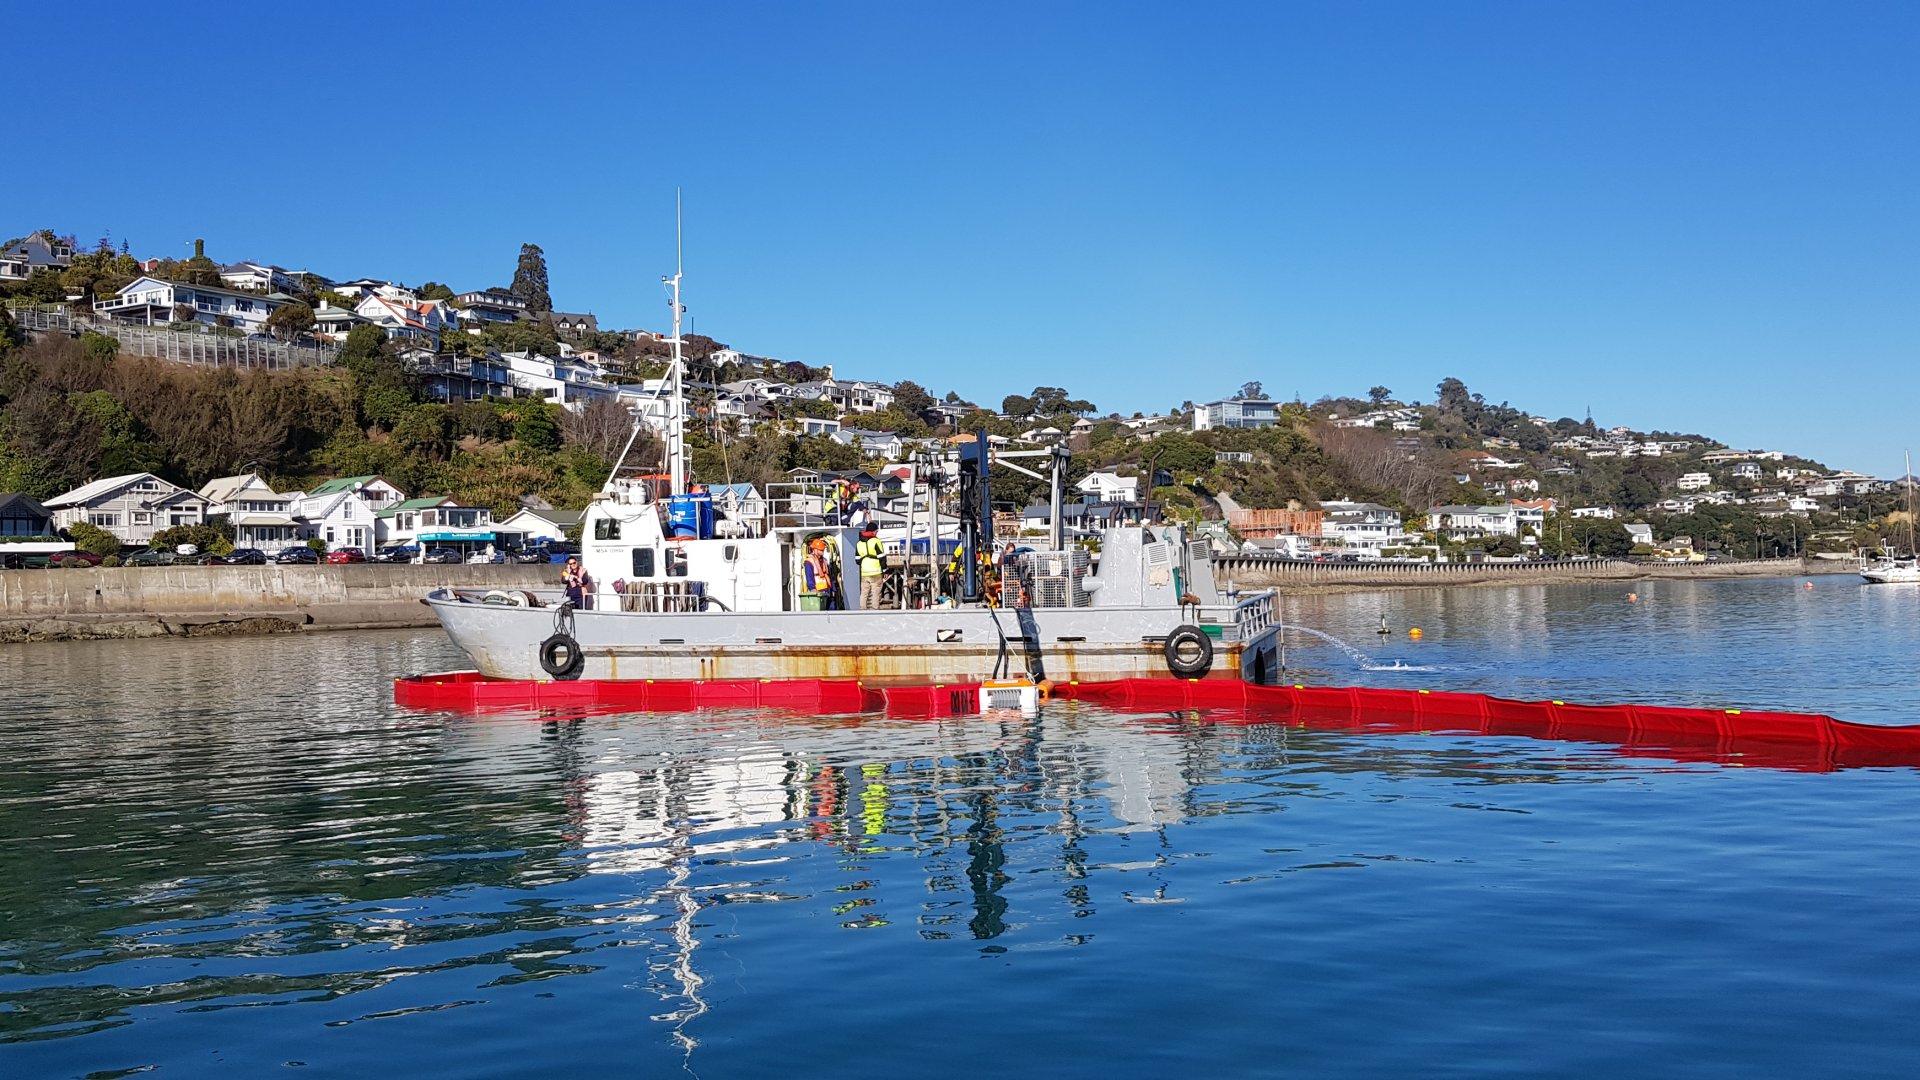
pixel 1691 217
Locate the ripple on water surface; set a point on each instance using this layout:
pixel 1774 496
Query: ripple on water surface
pixel 231 856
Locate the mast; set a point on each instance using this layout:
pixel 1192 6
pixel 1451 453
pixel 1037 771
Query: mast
pixel 677 399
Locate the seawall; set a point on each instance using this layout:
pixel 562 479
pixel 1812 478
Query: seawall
pixel 1288 575
pixel 118 602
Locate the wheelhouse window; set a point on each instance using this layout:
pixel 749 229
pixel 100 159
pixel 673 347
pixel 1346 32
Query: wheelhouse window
pixel 643 562
pixel 676 563
pixel 608 529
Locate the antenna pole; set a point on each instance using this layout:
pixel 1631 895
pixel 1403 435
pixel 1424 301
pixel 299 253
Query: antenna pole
pixel 677 408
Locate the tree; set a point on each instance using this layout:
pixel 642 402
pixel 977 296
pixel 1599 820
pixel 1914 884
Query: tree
pixel 911 397
pixel 291 321
pixel 530 279
pixel 1253 391
pixel 535 429
pixel 92 538
pixel 433 290
pixel 1017 405
pixel 1379 395
pixel 211 539
pixel 601 429
pixel 1453 396
pixel 381 390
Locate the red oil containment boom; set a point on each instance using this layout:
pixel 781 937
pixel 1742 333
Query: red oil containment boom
pixel 1777 739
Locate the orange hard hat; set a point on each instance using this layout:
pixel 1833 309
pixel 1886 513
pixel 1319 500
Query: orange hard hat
pixel 819 544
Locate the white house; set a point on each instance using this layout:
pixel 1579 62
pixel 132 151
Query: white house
pixel 881 444
pixel 261 518
pixel 132 507
pixel 530 526
pixel 259 277
pixel 1236 413
pixel 1605 513
pixel 1363 528
pixel 153 301
pixel 419 320
pixel 1694 481
pixel 344 512
pixel 572 384
pixel 1109 487
pixel 1463 522
pixel 1639 533
pixel 436 519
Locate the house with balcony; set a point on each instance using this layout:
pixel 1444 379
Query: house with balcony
pixel 884 445
pixel 1747 470
pixel 261 517
pixel 156 302
pixel 339 516
pixel 261 277
pixel 1361 527
pixel 489 306
pixel 1470 522
pixel 567 383
pixel 21 258
pixel 132 507
pixel 1236 413
pixel 437 520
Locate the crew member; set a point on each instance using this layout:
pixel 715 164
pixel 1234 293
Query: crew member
pixel 573 578
pixel 845 493
pixel 873 565
pixel 818 580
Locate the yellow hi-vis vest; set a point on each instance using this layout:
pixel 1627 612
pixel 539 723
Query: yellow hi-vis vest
pixel 871 553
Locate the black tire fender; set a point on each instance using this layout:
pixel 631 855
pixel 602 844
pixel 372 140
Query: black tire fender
pixel 1189 652
pixel 550 662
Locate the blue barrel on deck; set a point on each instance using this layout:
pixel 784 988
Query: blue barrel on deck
pixel 690 517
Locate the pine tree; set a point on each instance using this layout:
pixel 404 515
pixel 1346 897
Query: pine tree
pixel 530 279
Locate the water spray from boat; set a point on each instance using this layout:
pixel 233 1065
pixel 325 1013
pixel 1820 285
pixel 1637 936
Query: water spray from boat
pixel 1365 662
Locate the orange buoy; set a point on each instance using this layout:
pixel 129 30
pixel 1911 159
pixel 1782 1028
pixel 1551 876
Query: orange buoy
pixel 1414 633
pixel 1809 584
pixel 1633 598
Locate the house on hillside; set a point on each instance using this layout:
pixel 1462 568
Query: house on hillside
pixel 22 515
pixel 1467 522
pixel 418 321
pixel 529 526
pixel 1108 487
pixel 260 277
pixel 494 305
pixel 1236 413
pixel 884 445
pixel 261 517
pixel 573 326
pixel 42 250
pixel 155 302
pixel 132 507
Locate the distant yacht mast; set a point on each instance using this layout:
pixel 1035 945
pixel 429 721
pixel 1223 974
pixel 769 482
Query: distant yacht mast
pixel 677 402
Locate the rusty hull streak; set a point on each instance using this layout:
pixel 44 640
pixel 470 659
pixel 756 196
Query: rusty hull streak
pixel 898 661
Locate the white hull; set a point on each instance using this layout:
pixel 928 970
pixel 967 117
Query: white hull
pixel 961 644
pixel 1894 572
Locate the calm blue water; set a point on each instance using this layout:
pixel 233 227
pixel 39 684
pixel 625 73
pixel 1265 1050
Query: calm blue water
pixel 237 858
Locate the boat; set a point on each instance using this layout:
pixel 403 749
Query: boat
pixel 680 588
pixel 1898 569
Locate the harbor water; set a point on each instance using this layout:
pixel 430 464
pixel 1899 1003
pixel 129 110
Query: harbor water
pixel 237 857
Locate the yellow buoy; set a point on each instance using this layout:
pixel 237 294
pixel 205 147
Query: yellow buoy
pixel 1414 633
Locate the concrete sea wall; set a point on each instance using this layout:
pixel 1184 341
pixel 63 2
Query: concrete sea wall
pixel 64 604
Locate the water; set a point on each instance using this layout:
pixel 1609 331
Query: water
pixel 237 858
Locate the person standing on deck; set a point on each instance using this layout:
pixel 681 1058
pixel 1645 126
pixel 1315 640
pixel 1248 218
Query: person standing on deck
pixel 817 579
pixel 873 565
pixel 573 578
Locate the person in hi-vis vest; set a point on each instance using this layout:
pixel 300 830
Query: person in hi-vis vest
pixel 873 565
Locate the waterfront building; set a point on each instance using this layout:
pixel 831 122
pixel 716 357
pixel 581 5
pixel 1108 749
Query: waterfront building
pixel 22 515
pixel 132 507
pixel 261 517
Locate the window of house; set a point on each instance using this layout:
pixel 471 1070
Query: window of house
pixel 329 534
pixel 142 518
pixel 105 521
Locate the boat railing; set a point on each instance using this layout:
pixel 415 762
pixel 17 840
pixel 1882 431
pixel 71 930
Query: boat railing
pixel 1250 616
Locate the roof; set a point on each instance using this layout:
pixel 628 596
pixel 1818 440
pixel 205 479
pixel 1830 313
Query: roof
pixel 425 502
pixel 223 488
pixel 344 483
pixel 15 501
pixel 89 492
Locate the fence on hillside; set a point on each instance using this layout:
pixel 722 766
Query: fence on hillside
pixel 185 346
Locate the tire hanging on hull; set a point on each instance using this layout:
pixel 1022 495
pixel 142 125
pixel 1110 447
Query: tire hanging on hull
pixel 551 651
pixel 1189 652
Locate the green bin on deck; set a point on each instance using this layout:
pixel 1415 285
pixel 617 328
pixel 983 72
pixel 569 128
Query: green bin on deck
pixel 813 603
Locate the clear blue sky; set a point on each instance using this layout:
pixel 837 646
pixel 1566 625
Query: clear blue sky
pixel 1699 216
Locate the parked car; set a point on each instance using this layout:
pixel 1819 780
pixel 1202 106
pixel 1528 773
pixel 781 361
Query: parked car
pixel 395 553
pixel 150 557
pixel 247 557
pixel 442 555
pixel 346 555
pixel 297 555
pixel 483 556
pixel 62 558
pixel 209 559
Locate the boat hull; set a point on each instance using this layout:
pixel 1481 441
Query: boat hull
pixel 1087 645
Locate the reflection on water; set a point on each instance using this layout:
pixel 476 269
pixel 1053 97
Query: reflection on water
pixel 228 856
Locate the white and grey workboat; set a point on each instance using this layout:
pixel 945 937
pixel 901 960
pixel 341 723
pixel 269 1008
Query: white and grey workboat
pixel 680 589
